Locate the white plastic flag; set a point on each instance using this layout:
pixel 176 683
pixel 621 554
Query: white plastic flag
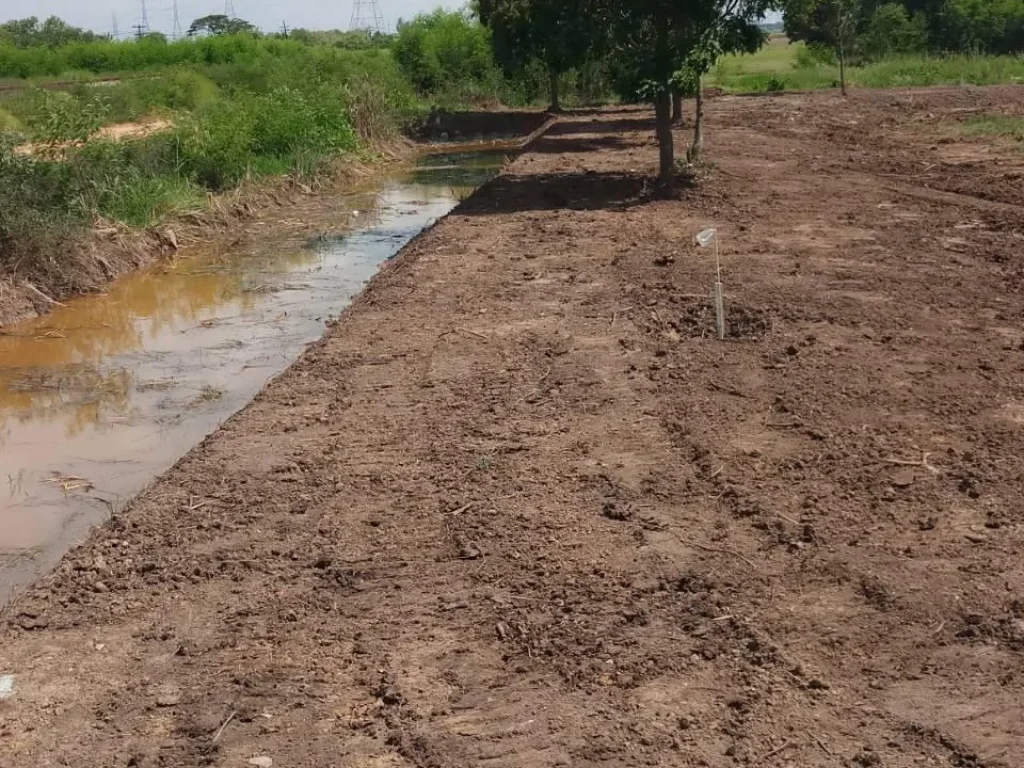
pixel 704 239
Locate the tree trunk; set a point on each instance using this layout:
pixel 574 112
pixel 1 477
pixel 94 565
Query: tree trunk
pixel 677 106
pixel 698 124
pixel 666 146
pixel 553 80
pixel 842 67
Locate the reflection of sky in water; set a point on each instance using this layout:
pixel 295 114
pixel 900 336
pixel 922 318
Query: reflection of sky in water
pixel 115 387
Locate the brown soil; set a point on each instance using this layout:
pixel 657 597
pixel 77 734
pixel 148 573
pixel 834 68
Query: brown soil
pixel 519 508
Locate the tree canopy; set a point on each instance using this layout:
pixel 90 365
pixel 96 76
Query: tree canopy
pixel 441 48
pixel 832 23
pixel 54 32
pixel 219 24
pixel 665 41
pixel 561 34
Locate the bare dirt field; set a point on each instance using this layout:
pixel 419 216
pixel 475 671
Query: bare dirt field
pixel 519 508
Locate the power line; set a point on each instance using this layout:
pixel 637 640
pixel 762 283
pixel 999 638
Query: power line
pixel 367 15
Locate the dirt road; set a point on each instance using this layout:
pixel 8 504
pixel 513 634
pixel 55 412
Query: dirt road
pixel 518 508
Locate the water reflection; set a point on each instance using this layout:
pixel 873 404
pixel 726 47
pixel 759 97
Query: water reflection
pixel 114 388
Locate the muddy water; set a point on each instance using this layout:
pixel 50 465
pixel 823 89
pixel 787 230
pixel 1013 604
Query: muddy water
pixel 99 397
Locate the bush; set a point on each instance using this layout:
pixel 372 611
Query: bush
pixel 892 30
pixel 447 53
pixel 58 118
pixel 38 206
pixel 812 55
pixel 9 123
pixel 217 146
pixel 989 26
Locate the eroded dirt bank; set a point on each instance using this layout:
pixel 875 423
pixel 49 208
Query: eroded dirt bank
pixel 517 508
pixel 89 262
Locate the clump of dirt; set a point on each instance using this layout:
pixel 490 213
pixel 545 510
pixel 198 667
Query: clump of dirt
pixel 697 320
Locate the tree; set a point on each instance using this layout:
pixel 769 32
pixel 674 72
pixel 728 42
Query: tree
pixel 560 33
pixel 829 22
pixel 662 38
pixel 54 32
pixel 219 24
pixel 444 50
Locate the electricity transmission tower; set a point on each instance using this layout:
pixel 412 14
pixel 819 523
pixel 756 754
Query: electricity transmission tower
pixel 229 8
pixel 176 30
pixel 142 28
pixel 367 15
pixel 115 32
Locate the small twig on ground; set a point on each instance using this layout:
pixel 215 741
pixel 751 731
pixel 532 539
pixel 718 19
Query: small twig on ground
pixel 922 463
pixel 777 750
pixel 820 743
pixel 224 725
pixel 623 311
pixel 42 295
pixel 716 550
pixel 728 390
pixel 784 424
pixel 463 508
pixel 994 755
pixel 464 331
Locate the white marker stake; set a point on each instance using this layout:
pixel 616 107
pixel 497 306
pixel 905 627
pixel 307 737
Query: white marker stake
pixel 704 239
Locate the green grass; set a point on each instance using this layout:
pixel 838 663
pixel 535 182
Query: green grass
pixel 9 122
pixel 278 109
pixel 778 55
pixel 148 200
pixel 1003 126
pixel 783 66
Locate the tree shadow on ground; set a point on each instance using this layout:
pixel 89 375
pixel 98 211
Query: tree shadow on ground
pixel 574 191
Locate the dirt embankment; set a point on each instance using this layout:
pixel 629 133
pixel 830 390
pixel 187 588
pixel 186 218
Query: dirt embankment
pixel 519 508
pixel 444 126
pixel 91 261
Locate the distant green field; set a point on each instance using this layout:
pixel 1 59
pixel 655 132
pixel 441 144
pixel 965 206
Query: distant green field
pixel 780 65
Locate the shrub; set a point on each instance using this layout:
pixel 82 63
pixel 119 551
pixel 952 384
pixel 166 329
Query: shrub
pixel 218 145
pixel 59 117
pixel 9 123
pixel 446 51
pixel 37 206
pixel 892 30
pixel 214 144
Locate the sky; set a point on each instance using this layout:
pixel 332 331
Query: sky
pixel 266 14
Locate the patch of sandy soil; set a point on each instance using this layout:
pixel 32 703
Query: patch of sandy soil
pixel 115 132
pixel 519 508
pixel 121 131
